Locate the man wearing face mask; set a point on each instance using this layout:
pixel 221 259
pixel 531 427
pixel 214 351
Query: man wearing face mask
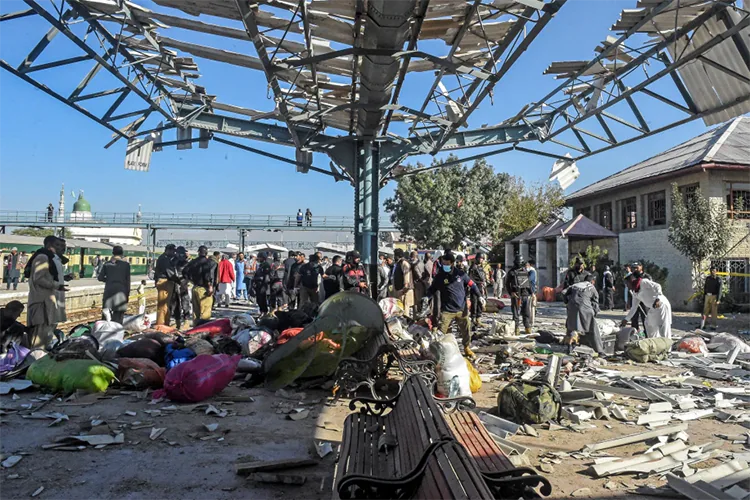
pixel 450 283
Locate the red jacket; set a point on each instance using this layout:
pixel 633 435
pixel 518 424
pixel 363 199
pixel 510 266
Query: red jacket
pixel 226 271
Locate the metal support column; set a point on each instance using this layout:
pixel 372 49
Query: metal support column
pixel 242 240
pixel 366 191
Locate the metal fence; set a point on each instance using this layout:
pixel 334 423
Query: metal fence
pixel 187 220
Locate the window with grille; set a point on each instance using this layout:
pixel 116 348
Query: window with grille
pixel 689 193
pixel 585 211
pixel 629 212
pixel 738 200
pixel 657 209
pixel 736 286
pixel 605 215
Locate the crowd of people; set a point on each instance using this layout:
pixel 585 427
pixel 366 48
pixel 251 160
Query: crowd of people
pixel 450 288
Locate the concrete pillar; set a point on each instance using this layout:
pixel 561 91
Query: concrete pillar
pixel 523 248
pixel 543 278
pixel 562 258
pixel 509 255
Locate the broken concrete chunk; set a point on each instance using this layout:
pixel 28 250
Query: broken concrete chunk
pixel 581 492
pixel 298 414
pixel 156 432
pixel 211 427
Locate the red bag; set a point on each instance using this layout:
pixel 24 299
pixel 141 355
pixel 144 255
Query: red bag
pixel 140 373
pixel 212 328
pixel 200 378
pixel 288 335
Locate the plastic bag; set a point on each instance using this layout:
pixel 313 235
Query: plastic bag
pixel 200 378
pixel 453 375
pixel 252 340
pixel 727 341
pixel 475 381
pixel 606 326
pixel 71 374
pixel 12 357
pixel 693 344
pixel 175 354
pixel 75 348
pixel 136 323
pixel 391 307
pixel 144 348
pixel 107 330
pixel 140 373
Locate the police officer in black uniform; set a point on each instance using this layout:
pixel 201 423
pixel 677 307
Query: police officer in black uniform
pixel 518 284
pixel 355 275
pixel 479 276
pixel 276 290
pixel 262 281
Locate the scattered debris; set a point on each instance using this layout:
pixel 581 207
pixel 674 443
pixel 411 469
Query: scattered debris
pixel 156 432
pixel 635 438
pixel 323 448
pixel 245 468
pixel 298 414
pixel 11 461
pixel 581 492
pixel 211 427
pixel 37 491
pixel 16 385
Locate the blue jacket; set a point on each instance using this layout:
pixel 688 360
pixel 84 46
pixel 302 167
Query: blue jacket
pixel 452 287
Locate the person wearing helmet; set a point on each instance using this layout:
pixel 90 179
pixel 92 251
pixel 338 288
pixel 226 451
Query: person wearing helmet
pixel 355 274
pixel 262 282
pixel 519 288
pixel 480 274
pixel 276 291
pixel 450 285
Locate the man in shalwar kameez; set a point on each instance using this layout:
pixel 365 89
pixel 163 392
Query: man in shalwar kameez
pixel 648 296
pixel 583 306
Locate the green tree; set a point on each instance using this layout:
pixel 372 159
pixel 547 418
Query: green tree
pixel 528 204
pixel 38 232
pixel 699 230
pixel 446 205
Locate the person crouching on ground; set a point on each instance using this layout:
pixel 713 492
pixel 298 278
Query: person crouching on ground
pixel 583 306
pixel 648 297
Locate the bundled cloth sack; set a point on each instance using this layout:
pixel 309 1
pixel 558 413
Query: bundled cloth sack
pixel 645 350
pixel 75 348
pixel 200 378
pixel 70 375
pixel 148 348
pixel 199 346
pixel 221 326
pixel 693 344
pixel 242 321
pixel 453 378
pixel 606 326
pixel 140 373
pixel 529 402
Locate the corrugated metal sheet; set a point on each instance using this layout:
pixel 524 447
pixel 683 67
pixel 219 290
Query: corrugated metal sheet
pixel 734 149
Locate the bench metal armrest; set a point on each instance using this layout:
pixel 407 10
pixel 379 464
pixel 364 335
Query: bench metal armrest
pixel 364 486
pixel 512 483
pixel 451 405
pixel 373 406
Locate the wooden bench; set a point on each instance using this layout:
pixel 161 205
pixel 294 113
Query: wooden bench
pixel 503 478
pixel 388 455
pixel 373 361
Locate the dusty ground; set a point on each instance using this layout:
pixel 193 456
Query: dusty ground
pixel 180 465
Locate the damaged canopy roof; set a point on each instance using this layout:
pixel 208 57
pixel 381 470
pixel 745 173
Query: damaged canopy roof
pixel 330 63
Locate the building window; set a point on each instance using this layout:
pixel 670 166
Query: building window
pixel 689 193
pixel 629 212
pixel 738 200
pixel 605 215
pixel 736 282
pixel 585 211
pixel 657 209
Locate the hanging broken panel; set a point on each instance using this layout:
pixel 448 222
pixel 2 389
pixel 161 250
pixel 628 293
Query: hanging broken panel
pixel 709 86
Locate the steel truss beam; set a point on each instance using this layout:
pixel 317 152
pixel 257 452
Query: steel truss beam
pixel 570 115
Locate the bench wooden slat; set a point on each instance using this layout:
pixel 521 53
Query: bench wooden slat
pixel 470 432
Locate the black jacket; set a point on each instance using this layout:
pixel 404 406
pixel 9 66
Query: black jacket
pixel 201 271
pixel 332 284
pixel 165 268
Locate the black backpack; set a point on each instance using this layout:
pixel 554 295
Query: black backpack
pixel 309 276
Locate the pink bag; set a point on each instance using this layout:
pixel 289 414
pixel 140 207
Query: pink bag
pixel 200 378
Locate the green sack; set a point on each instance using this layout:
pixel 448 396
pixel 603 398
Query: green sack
pixel 646 350
pixel 529 402
pixel 70 375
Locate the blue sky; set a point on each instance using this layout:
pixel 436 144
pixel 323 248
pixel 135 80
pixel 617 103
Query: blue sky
pixel 44 143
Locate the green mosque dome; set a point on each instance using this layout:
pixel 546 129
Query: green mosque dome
pixel 81 205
